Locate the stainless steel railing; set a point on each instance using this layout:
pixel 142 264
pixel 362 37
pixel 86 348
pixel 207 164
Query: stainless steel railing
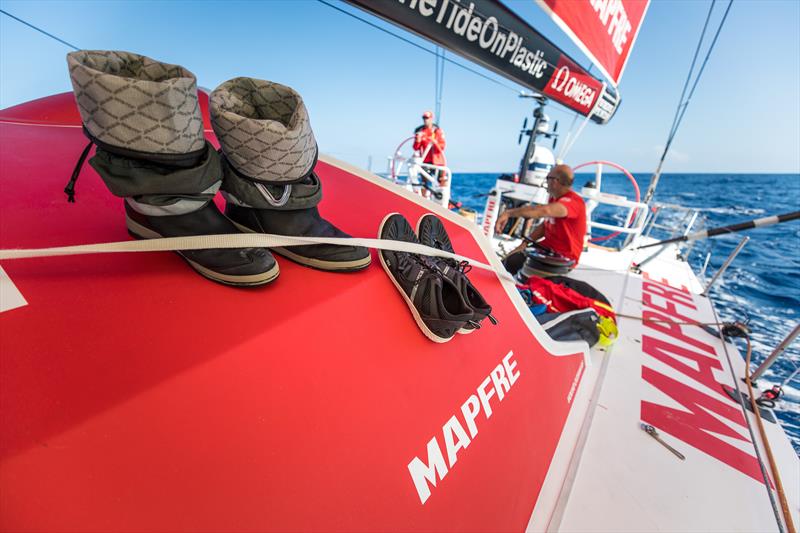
pixel 769 361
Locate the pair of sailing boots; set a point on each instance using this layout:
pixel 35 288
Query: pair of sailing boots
pixel 441 298
pixel 144 117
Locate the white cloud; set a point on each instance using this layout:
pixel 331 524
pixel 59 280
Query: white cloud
pixel 674 155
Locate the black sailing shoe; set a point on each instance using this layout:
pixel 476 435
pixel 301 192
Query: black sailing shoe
pixel 432 233
pixel 230 266
pixel 436 303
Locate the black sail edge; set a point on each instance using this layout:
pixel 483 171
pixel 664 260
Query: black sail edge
pixel 489 34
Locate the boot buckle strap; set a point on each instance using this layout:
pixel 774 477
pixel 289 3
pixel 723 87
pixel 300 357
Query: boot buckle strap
pixel 280 202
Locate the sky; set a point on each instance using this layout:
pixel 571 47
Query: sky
pixel 365 89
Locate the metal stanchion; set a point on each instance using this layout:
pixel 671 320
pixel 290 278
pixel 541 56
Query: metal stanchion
pixel 725 265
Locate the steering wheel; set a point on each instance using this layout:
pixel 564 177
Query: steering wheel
pixel 400 159
pixel 635 188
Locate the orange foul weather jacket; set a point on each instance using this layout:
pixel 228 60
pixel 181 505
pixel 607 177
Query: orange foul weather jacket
pixel 423 137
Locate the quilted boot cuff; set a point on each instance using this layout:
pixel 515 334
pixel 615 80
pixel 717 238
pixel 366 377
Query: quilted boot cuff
pixel 135 103
pixel 245 192
pixel 264 130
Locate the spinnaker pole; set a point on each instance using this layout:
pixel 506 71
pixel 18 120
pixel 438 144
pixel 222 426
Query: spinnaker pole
pixel 733 228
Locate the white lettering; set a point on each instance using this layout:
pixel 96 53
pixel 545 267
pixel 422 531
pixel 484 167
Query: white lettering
pixel 462 20
pixel 563 71
pixel 538 65
pixel 511 44
pixel 426 7
pixel 474 28
pixel 510 366
pixel 453 13
pixel 575 383
pixel 613 16
pixel 519 57
pixel 465 22
pixel 470 410
pixel 484 395
pixel 442 11
pixel 569 90
pixel 423 473
pixel 491 23
pixel 499 42
pixel 500 381
pixel 453 428
pixel 564 83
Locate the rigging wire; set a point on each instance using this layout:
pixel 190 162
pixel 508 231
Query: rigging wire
pixel 439 88
pixel 787 514
pixel 40 30
pixel 443 59
pixel 440 59
pixel 672 128
pixel 412 43
pixel 680 111
pixel 569 141
pixel 776 512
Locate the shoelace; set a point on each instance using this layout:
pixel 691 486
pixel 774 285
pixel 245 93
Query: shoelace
pixel 406 261
pixel 70 188
pixel 434 270
pixel 463 267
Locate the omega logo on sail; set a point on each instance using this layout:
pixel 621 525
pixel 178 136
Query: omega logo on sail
pixel 572 88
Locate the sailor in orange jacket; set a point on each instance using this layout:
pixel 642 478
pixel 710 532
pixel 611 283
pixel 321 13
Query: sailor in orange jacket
pixel 430 134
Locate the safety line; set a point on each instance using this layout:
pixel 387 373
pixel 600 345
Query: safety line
pixel 760 460
pixel 680 111
pixel 239 240
pixel 787 514
pixel 40 30
pixel 412 43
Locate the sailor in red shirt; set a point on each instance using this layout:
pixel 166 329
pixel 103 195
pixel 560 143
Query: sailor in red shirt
pixel 564 216
pixel 430 134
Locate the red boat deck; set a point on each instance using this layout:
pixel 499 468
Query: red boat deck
pixel 136 395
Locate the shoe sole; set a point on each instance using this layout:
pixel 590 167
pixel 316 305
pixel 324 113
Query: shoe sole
pixel 418 319
pixel 319 264
pixel 462 331
pixel 250 280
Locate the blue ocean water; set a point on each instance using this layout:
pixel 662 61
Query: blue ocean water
pixel 762 285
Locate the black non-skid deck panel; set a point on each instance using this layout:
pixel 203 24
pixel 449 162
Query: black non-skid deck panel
pixel 765 413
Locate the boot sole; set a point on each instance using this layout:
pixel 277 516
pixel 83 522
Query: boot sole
pixel 250 280
pixel 319 264
pixel 462 331
pixel 417 318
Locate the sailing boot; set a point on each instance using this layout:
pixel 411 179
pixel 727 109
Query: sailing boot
pixel 144 117
pixel 268 158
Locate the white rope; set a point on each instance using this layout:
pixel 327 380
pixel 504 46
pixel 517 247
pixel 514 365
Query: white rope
pixel 567 146
pixel 238 240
